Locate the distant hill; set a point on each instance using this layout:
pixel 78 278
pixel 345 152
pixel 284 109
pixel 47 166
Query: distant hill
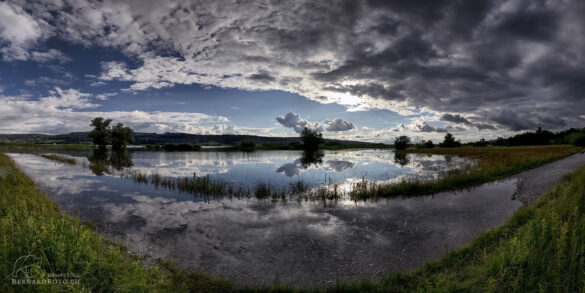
pixel 154 138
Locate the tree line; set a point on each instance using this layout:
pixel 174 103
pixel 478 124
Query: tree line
pixel 119 136
pixel 402 142
pixel 572 136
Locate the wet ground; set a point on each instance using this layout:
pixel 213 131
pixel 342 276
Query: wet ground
pixel 304 243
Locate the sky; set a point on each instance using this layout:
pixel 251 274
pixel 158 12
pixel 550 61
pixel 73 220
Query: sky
pixel 364 70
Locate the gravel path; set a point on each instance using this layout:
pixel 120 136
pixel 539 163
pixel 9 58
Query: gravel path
pixel 535 182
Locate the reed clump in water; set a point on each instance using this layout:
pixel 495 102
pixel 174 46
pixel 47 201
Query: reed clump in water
pixel 59 158
pixel 208 188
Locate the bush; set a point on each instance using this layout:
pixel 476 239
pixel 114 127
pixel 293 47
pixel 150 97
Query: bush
pixel 152 147
pixel 480 143
pixel 577 139
pixel 187 147
pixel 426 144
pixel 334 143
pixel 295 145
pixel 169 147
pixel 401 142
pixel 181 147
pixel 311 139
pixel 248 145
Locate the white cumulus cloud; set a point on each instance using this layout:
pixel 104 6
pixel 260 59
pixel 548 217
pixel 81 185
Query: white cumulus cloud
pixel 294 121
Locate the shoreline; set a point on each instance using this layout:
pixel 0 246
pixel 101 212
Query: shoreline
pixel 361 285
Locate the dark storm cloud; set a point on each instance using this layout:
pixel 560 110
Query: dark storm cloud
pixel 458 119
pixel 374 90
pixel 262 76
pixel 455 119
pixel 523 59
pixel 512 65
pixel 535 25
pixel 513 120
pixel 425 127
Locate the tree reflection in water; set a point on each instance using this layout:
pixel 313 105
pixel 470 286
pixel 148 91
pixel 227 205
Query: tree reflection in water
pixel 121 159
pixel 100 163
pixel 401 158
pixel 309 158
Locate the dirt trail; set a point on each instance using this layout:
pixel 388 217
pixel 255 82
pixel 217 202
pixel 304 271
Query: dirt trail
pixel 535 182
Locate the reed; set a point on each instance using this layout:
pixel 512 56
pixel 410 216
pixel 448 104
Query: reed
pixel 491 163
pixel 58 158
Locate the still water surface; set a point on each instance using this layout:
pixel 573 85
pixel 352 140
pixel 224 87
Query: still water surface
pixel 251 241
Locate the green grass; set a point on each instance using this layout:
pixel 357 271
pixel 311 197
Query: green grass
pixel 31 224
pixel 492 163
pixel 59 158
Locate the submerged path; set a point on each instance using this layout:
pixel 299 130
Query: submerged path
pixel 535 182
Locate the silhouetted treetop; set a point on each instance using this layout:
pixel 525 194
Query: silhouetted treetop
pixel 101 133
pixel 121 136
pixel 450 142
pixel 401 142
pixel 311 139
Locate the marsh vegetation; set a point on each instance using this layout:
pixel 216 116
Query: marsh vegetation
pixel 59 158
pixel 483 165
pixel 491 163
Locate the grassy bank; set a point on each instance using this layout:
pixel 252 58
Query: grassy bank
pixel 492 163
pixel 540 249
pixel 32 225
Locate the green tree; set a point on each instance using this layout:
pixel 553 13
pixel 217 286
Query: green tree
pixel 401 142
pixel 101 132
pixel 428 144
pixel 450 141
pixel 578 138
pixel 121 137
pixel 311 139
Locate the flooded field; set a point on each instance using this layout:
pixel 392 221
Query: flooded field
pixel 251 240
